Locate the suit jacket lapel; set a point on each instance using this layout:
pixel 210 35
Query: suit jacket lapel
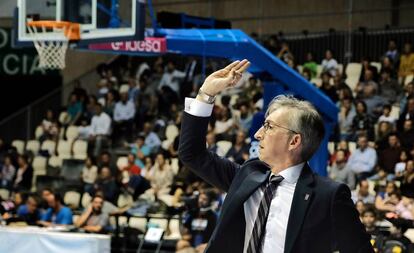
pixel 248 185
pixel 300 203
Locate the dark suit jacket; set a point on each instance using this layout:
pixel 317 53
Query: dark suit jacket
pixel 322 217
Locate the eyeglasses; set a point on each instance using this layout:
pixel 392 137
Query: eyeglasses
pixel 267 126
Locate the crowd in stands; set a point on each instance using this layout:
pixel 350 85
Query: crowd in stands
pixel 131 125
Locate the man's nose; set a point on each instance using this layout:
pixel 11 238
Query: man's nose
pixel 258 134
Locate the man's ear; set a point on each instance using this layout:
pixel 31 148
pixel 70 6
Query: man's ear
pixel 295 142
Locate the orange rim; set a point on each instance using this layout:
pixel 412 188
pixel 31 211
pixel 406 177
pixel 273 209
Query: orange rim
pixel 70 30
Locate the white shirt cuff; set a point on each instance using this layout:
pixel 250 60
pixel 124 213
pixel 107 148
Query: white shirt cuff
pixel 197 108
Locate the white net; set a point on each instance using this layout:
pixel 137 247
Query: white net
pixel 52 53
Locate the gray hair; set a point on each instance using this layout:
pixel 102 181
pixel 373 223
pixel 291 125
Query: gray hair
pixel 304 119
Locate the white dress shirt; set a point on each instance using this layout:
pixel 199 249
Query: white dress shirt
pixel 101 124
pixel 124 111
pixel 172 80
pixel 277 221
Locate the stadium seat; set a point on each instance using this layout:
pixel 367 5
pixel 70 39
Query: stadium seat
pixel 39 165
pixel 377 65
pixel 317 81
pixel 139 223
pixel 55 161
pixel 75 217
pixel 318 70
pixel 80 149
pixel 171 132
pixel 331 147
pixel 64 149
pixel 173 230
pixel 72 132
pixel 19 145
pixel 33 146
pixel 86 200
pixel 224 145
pixel 64 118
pixel 50 146
pixel 158 222
pixel 38 132
pixel 175 165
pixel 395 111
pixel 4 194
pixel 353 72
pixel 124 200
pixel 72 199
pixel 340 68
pixel 352 146
pixel 122 162
pixel 408 79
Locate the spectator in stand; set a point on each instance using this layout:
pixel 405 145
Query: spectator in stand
pixel 106 183
pixel 369 218
pixel 386 115
pixel 90 108
pixel 212 145
pixel 50 127
pixel 328 88
pixel 373 101
pixel 140 150
pixel 244 121
pixel 381 138
pixel 407 181
pixel 405 208
pixel 406 63
pixel 329 64
pixel 131 167
pixel 110 102
pixel 306 73
pixel 407 114
pixel 311 65
pixel 367 83
pixel 224 124
pixel 366 65
pixel 239 151
pixel 89 175
pixel 362 161
pixel 7 173
pixel 408 93
pixel 285 54
pixel 169 87
pixel 362 124
pixel 362 193
pixel 390 90
pixel 388 65
pixel 124 114
pixel 384 201
pixel 392 52
pixel 133 90
pixel 339 172
pixel 24 175
pixel 397 231
pixel 400 166
pixel 105 160
pixel 57 213
pixel 93 219
pixel 74 110
pixel 345 118
pixel 391 155
pixel 152 141
pixel 200 222
pixel 407 135
pixel 100 129
pixel 161 178
pixel 29 212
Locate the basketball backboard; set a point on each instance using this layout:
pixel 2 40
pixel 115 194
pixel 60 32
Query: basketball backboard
pixel 100 20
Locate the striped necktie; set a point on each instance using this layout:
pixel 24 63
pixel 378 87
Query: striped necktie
pixel 256 239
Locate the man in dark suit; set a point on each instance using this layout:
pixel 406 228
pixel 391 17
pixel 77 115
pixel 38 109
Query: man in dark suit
pixel 274 203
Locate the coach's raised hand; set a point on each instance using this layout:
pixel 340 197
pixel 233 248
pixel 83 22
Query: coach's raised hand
pixel 224 78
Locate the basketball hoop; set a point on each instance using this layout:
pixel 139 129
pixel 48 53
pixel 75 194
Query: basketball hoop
pixel 51 39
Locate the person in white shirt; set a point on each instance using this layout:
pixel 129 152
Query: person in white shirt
pixel 363 160
pixel 100 129
pixel 89 176
pixel 329 64
pixel 172 78
pixel 124 114
pixel 151 139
